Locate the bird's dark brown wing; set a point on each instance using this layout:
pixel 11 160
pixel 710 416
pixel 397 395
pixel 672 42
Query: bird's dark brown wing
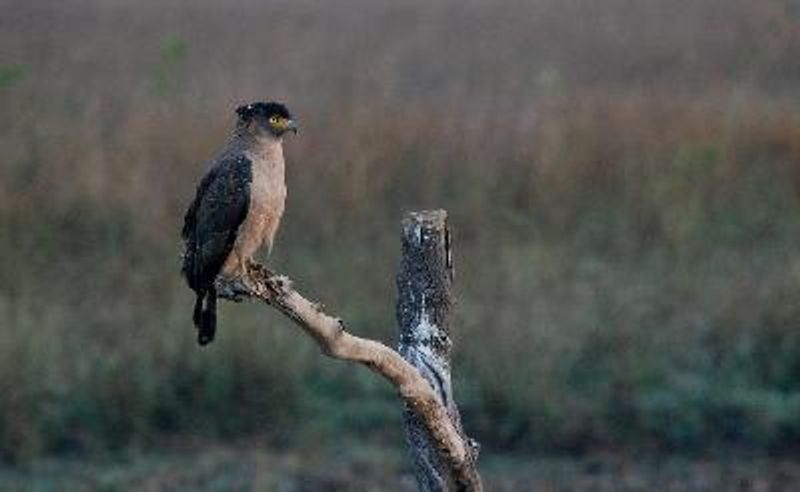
pixel 212 220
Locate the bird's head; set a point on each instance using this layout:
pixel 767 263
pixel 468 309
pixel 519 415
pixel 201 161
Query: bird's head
pixel 269 118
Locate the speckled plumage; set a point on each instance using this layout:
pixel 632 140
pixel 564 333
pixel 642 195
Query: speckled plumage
pixel 237 207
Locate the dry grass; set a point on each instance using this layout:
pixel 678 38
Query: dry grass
pixel 623 180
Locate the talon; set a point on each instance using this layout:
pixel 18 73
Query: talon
pixel 233 289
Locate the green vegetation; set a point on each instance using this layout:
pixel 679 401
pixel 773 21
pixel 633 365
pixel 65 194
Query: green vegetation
pixel 167 76
pixel 10 74
pixel 625 201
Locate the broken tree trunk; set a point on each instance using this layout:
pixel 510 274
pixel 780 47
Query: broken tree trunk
pixel 425 299
pixel 442 453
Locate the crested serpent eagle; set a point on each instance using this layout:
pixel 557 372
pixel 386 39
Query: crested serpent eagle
pixel 237 207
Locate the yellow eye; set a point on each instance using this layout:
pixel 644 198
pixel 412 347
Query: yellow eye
pixel 274 119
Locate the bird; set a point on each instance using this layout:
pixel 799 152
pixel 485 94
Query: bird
pixel 237 207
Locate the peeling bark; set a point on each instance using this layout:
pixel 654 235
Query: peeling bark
pixel 422 379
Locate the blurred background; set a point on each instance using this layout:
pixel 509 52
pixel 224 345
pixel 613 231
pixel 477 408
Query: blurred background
pixel 622 178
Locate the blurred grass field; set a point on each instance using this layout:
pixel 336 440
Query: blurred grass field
pixel 357 467
pixel 622 178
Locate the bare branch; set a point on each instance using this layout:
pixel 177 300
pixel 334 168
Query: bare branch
pixel 330 334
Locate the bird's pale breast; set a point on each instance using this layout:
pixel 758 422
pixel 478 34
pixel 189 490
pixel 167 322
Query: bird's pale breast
pixel 267 199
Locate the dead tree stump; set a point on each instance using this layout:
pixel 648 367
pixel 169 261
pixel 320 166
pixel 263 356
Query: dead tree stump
pixel 444 457
pixel 424 304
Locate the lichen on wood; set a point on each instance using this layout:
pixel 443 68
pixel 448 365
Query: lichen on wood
pixel 424 304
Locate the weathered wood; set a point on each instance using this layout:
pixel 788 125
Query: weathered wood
pixel 434 410
pixel 424 304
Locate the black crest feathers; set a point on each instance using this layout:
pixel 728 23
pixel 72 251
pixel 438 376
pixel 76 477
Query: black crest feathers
pixel 247 112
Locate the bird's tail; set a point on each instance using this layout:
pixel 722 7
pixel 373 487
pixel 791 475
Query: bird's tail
pixel 205 315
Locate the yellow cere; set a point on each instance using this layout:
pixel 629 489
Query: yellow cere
pixel 278 121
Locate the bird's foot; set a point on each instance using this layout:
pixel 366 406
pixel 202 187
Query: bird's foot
pixel 233 288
